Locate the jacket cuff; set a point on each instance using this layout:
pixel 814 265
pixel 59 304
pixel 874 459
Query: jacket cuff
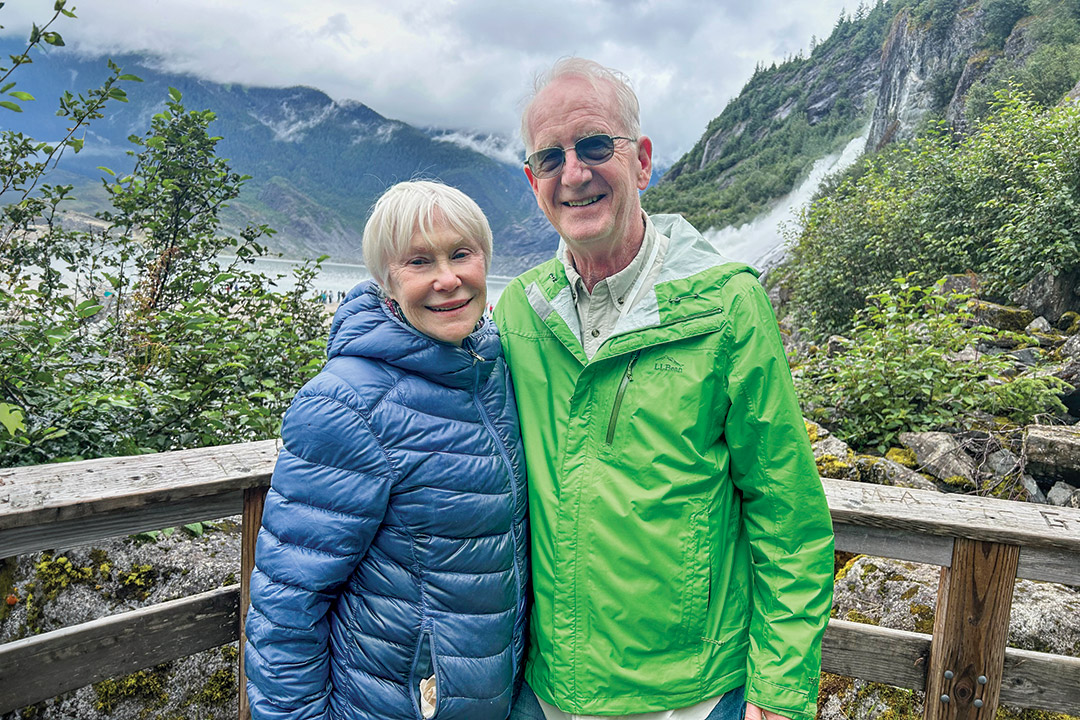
pixel 797 704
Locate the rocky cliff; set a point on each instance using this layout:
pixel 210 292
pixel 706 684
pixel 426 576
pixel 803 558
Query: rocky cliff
pixel 895 68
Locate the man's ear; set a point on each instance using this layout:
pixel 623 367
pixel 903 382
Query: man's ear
pixel 644 152
pixel 533 182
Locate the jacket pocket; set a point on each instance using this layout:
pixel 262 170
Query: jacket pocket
pixel 616 406
pixel 697 584
pixel 424 666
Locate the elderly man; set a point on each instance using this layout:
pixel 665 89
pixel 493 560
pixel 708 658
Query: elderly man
pixel 681 543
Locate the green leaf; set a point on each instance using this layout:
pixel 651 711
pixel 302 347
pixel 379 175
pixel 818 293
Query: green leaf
pixel 20 95
pixel 130 78
pixel 75 144
pixel 195 529
pixel 11 84
pixel 53 38
pixel 87 308
pixel 175 94
pixel 11 418
pixel 10 106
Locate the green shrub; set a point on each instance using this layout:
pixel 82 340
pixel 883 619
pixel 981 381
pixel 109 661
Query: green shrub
pixel 902 372
pixel 137 336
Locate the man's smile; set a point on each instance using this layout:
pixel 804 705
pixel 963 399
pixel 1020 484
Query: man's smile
pixel 583 202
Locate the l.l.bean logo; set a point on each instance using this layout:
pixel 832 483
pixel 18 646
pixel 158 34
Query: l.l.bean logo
pixel 667 364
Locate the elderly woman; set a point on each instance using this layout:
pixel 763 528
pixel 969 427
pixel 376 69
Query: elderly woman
pixel 390 577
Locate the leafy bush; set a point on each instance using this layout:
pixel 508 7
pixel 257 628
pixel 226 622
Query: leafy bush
pixel 902 371
pixel 136 335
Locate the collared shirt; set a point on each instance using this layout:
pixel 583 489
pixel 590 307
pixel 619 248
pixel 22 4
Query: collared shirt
pixel 600 309
pixel 598 312
pixel 699 711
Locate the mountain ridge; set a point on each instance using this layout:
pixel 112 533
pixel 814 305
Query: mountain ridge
pixel 316 164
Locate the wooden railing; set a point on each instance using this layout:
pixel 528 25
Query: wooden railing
pixel 981 544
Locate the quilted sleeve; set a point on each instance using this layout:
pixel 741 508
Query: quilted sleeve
pixel 328 496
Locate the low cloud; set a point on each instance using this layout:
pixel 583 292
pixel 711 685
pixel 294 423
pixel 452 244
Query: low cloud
pixel 467 64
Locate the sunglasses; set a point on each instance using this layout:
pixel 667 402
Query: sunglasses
pixel 592 150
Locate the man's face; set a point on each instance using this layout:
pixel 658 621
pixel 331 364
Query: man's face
pixel 594 207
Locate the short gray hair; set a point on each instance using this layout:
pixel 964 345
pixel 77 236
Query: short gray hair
pixel 418 205
pixel 627 108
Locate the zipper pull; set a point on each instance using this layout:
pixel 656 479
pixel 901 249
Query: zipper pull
pixel 474 354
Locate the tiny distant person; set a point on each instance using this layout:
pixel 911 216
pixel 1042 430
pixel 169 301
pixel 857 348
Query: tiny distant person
pixel 682 548
pixel 391 572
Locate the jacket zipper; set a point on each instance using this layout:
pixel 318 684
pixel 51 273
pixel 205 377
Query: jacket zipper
pixel 513 484
pixel 627 378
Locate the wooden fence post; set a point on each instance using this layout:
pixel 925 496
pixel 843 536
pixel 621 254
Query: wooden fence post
pixel 253 510
pixel 971 628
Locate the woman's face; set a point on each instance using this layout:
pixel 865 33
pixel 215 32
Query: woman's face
pixel 441 285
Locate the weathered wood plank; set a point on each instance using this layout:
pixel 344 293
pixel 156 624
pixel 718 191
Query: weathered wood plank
pixel 50 493
pixel 1045 564
pixel 43 666
pixel 44 494
pixel 1038 680
pixel 84 530
pixel 899 658
pixel 877 654
pixel 254 499
pixel 1049 565
pixel 971 628
pixel 891 543
pixel 964 516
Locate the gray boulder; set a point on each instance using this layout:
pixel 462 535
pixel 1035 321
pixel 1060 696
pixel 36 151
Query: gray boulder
pixel 1002 317
pixel 1071 348
pixel 1063 495
pixel 882 471
pixel 1053 453
pixel 833 456
pixel 1050 294
pixel 1039 324
pixel 941 455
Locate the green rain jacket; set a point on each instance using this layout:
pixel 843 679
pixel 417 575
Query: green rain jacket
pixel 681 541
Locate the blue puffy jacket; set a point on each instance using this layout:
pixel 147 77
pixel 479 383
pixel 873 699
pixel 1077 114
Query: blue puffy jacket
pixel 393 544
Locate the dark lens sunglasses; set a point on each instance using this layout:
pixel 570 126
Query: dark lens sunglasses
pixel 592 150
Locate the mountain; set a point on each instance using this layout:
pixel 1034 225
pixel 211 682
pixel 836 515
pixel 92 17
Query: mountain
pixel 317 165
pixel 887 71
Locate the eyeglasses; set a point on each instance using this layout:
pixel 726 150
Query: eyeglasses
pixel 592 150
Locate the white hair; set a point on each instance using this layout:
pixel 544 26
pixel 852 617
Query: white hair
pixel 417 206
pixel 627 108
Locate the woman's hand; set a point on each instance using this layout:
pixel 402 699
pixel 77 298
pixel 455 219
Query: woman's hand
pixel 753 712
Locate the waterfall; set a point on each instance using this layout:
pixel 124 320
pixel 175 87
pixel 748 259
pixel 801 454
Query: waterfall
pixel 760 242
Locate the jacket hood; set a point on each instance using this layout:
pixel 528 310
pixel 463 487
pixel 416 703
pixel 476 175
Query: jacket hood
pixel 363 326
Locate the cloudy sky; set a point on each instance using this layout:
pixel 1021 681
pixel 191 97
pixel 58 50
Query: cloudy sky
pixel 457 63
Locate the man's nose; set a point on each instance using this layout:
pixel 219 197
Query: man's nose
pixel 574 171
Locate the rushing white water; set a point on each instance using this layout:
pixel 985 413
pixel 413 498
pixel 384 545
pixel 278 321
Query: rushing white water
pixel 760 241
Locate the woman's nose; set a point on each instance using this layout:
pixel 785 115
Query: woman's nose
pixel 446 278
